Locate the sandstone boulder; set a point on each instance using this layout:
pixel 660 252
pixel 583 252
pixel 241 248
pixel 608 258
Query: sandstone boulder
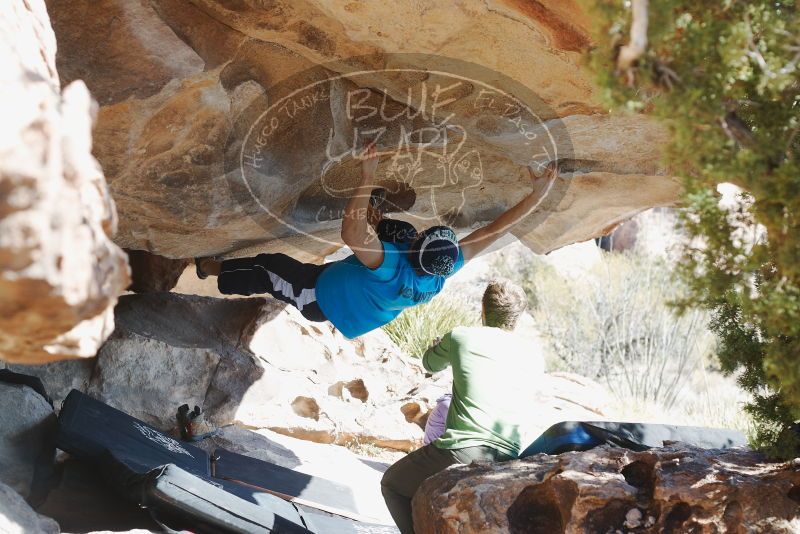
pixel 60 273
pixel 674 489
pixel 16 517
pixel 27 441
pixel 169 349
pixel 320 386
pixel 487 89
pixel 59 378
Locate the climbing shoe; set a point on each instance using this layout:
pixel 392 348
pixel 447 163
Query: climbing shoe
pixel 192 425
pixel 201 274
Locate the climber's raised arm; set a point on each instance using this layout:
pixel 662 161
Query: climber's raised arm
pixel 480 239
pixel 357 233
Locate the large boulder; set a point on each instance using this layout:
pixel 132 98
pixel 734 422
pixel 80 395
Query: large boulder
pixel 27 441
pixel 226 125
pixel 60 273
pixel 170 349
pixel 16 517
pixel 322 387
pixel 677 488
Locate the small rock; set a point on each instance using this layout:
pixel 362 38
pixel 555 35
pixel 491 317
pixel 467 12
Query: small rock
pixel 633 518
pixel 151 273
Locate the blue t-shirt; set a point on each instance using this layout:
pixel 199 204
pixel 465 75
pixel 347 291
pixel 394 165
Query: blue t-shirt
pixel 357 299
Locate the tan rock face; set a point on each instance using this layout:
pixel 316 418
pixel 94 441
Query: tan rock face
pixel 321 387
pixel 228 125
pixel 60 273
pixel 674 489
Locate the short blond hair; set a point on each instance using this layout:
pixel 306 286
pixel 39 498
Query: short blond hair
pixel 503 304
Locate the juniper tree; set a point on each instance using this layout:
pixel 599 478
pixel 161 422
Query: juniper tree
pixel 725 78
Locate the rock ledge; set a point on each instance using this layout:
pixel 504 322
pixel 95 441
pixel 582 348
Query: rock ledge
pixel 674 489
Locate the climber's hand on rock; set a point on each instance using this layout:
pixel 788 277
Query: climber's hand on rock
pixel 544 181
pixel 480 239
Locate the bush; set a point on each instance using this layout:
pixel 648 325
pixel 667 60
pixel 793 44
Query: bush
pixel 416 328
pixel 615 325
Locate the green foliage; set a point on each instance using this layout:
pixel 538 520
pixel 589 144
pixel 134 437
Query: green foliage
pixel 725 78
pixel 416 328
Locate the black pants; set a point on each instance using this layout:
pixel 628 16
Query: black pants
pixel 283 277
pixel 402 480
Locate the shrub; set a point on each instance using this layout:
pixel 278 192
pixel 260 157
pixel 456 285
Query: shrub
pixel 724 78
pixel 616 325
pixel 415 330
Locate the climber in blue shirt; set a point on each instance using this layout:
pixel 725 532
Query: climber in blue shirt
pixel 391 269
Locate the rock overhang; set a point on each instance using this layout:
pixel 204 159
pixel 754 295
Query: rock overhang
pixel 169 142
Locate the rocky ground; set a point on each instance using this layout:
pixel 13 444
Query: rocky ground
pixel 674 489
pixel 60 273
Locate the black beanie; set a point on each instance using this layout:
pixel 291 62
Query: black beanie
pixel 435 251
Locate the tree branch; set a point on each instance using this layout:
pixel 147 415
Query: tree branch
pixel 635 49
pixel 737 130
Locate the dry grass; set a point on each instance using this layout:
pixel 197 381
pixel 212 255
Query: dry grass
pixel 615 324
pixel 416 328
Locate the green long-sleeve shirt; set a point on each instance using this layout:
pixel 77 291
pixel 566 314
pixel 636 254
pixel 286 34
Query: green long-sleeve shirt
pixel 492 374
